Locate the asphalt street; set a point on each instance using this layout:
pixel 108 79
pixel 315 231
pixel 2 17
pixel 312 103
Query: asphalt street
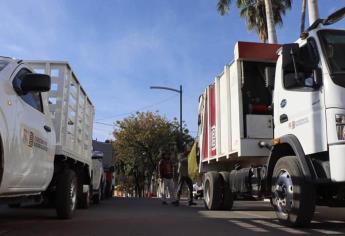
pixel 130 216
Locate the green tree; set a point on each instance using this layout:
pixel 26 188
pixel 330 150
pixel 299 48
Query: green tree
pixel 138 141
pixel 257 15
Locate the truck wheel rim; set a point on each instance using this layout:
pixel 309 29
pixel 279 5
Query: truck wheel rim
pixel 283 192
pixel 73 196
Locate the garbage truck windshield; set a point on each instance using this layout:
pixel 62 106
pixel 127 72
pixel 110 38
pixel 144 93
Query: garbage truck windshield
pixel 333 46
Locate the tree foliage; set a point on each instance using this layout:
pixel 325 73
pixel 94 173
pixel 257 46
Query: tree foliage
pixel 253 12
pixel 138 141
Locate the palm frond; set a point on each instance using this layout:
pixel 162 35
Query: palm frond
pixel 223 6
pixel 254 13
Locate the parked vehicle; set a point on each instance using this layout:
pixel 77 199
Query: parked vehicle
pixel 45 135
pixel 198 191
pixel 108 166
pixel 98 177
pixel 273 125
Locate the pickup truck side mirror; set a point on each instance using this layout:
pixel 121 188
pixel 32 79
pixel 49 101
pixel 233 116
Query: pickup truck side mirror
pixel 33 82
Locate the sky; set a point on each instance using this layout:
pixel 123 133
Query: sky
pixel 119 48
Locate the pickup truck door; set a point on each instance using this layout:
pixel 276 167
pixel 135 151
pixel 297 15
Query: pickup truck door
pixel 33 158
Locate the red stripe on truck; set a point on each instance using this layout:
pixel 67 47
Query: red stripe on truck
pixel 205 136
pixel 213 120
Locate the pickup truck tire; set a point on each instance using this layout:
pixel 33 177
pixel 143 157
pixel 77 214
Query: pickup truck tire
pixel 293 197
pixel 84 199
pixel 103 191
pixel 98 196
pixel 66 194
pixel 213 190
pixel 227 196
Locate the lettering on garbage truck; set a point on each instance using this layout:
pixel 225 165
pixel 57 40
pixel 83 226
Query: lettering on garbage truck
pixel 213 120
pixel 293 124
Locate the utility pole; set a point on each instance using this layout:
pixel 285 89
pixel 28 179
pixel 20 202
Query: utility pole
pixel 313 11
pixel 180 92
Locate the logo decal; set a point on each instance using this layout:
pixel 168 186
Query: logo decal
pixel 30 140
pixel 283 103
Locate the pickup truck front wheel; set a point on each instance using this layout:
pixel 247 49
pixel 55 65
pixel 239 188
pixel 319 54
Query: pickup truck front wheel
pixel 66 194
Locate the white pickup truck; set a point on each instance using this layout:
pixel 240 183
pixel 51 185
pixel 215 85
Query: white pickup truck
pixel 45 135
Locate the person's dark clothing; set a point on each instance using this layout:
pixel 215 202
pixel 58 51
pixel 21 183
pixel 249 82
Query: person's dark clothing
pixel 181 181
pixel 165 169
pixel 183 177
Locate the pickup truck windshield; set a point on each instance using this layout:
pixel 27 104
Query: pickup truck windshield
pixel 333 46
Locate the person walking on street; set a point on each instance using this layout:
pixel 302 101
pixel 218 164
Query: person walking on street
pixel 165 173
pixel 184 178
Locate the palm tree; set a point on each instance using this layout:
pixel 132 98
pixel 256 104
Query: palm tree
pixel 271 30
pixel 255 12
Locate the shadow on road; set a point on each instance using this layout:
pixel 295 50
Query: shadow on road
pixel 130 216
pixel 258 217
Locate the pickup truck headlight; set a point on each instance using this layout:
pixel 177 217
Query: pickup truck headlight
pixel 340 125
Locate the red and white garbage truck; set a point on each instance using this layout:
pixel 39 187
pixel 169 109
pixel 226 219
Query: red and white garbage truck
pixel 272 125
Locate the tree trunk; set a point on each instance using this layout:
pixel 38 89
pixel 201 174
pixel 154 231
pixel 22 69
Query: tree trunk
pixel 313 11
pixel 271 30
pixel 304 4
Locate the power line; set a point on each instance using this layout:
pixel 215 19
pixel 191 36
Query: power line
pixel 106 124
pixel 142 108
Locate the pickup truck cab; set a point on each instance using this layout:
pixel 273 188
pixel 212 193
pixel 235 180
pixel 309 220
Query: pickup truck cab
pixel 26 130
pixel 39 155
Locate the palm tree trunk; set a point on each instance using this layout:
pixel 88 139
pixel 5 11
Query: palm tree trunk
pixel 304 4
pixel 313 11
pixel 271 30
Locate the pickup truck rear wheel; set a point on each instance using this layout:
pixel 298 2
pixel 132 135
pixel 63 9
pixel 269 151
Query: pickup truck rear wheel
pixel 97 197
pixel 84 198
pixel 66 194
pixel 293 198
pixel 212 190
